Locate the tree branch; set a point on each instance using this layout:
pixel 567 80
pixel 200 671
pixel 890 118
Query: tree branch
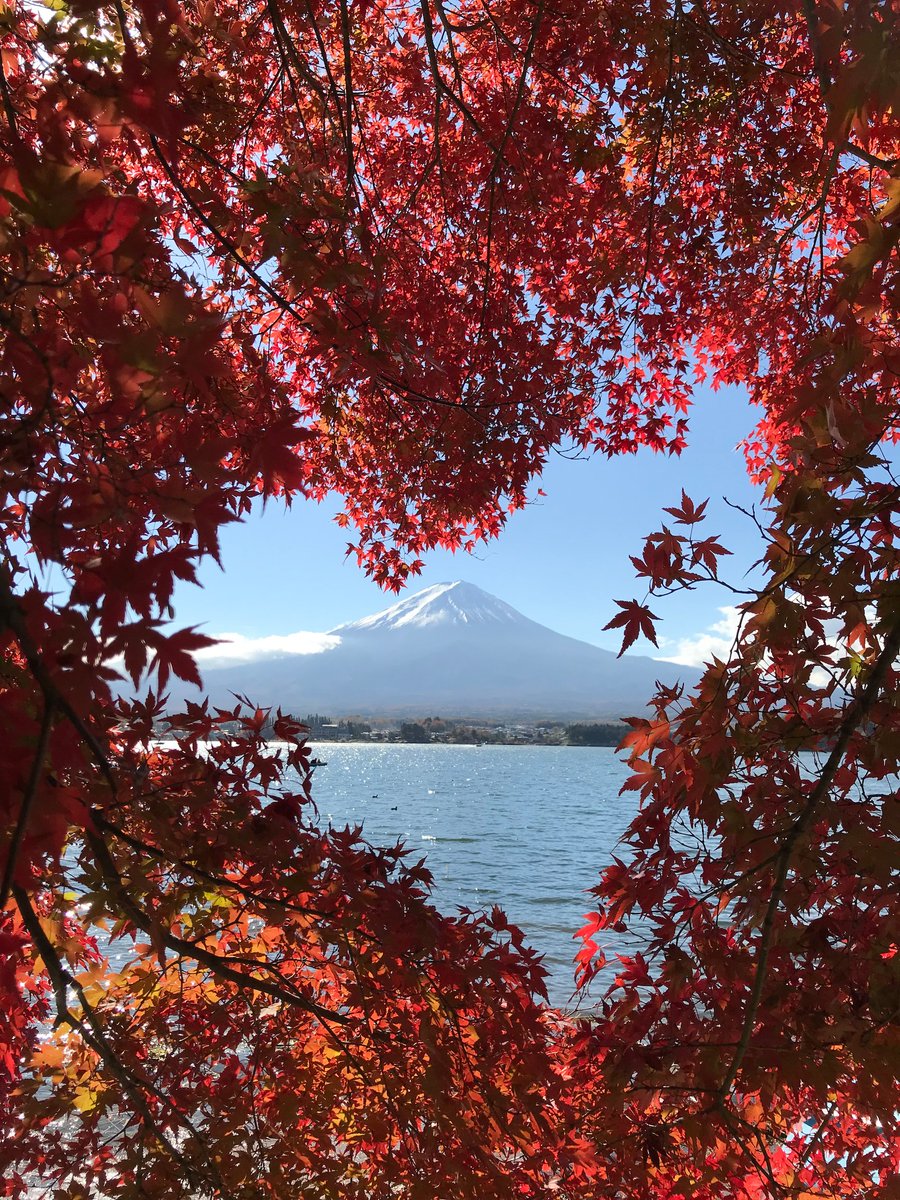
pixel 442 87
pixel 11 616
pixel 857 713
pixel 197 872
pixel 815 45
pixel 94 1035
pixel 348 96
pixel 871 160
pixel 34 778
pixel 218 965
pixel 8 107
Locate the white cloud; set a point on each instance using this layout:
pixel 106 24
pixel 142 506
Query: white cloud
pixel 235 648
pixel 716 640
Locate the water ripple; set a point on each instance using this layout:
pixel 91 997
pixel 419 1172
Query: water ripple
pixel 524 827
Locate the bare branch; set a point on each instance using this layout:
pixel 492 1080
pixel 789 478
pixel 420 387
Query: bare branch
pixel 871 160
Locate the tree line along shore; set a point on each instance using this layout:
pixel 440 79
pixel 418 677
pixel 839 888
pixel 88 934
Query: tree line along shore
pixel 463 731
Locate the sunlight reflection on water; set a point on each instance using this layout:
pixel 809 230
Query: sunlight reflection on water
pixel 525 827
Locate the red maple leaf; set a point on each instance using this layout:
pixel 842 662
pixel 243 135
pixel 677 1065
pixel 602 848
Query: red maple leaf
pixel 634 620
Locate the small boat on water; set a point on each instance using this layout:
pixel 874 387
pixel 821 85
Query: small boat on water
pixel 318 762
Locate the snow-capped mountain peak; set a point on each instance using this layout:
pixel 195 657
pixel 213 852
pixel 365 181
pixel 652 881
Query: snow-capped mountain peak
pixel 451 650
pixel 442 604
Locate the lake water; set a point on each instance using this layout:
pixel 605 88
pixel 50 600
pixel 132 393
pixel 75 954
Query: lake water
pixel 525 827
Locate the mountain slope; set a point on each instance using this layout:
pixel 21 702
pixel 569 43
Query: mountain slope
pixel 451 650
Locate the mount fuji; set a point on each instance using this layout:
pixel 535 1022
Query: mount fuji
pixel 451 650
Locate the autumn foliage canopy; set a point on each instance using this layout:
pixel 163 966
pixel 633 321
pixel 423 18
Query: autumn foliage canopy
pixel 399 251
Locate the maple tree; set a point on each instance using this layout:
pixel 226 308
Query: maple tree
pixel 400 251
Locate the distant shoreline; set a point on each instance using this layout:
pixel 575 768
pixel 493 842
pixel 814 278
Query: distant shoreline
pixel 452 731
pixel 447 731
pixel 461 745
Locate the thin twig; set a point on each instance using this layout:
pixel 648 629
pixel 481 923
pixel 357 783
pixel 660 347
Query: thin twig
pixel 493 176
pixel 451 49
pixel 224 242
pixel 817 1136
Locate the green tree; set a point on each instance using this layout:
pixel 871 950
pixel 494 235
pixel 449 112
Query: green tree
pixel 595 735
pixel 412 731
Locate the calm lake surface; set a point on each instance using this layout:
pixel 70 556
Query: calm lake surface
pixel 525 827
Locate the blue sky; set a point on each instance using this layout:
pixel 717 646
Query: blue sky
pixel 562 561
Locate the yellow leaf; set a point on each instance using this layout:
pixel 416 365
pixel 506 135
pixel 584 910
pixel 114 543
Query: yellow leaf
pixel 85 1099
pixel 774 480
pixel 892 205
